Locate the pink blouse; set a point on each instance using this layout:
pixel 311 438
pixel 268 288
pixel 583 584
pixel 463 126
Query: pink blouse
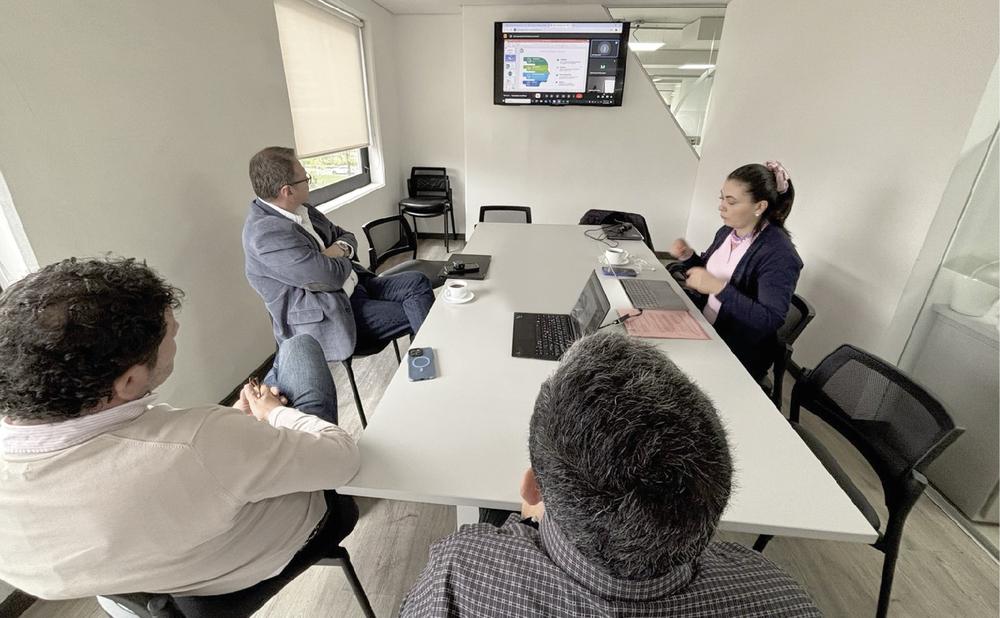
pixel 721 265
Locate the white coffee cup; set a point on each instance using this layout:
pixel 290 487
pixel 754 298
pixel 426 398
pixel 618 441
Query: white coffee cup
pixel 615 255
pixel 457 291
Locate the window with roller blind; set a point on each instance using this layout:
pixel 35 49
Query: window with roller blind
pixel 322 52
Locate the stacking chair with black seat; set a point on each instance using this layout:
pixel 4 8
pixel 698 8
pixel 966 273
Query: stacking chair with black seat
pixel 361 352
pixel 145 605
pixel 429 195
pixel 391 236
pixel 800 313
pixel 611 217
pixel 518 213
pixel 895 424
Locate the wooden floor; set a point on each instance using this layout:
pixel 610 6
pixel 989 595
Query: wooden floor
pixel 941 571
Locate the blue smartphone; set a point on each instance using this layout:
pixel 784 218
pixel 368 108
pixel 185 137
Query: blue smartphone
pixel 618 271
pixel 420 362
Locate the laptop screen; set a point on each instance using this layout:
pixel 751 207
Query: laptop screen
pixel 592 306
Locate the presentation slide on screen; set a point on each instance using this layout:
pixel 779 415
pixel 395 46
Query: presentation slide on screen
pixel 545 65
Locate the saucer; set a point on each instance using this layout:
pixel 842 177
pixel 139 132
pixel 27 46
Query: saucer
pixel 604 261
pixel 458 302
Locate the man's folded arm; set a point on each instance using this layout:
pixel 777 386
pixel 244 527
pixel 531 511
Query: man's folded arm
pixel 292 452
pixel 293 260
pixel 342 235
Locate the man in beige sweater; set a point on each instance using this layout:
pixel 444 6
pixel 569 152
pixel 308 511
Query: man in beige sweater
pixel 105 491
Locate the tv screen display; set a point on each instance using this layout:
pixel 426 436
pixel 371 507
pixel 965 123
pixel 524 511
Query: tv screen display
pixel 559 63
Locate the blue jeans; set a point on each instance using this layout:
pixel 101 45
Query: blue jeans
pixel 389 306
pixel 301 374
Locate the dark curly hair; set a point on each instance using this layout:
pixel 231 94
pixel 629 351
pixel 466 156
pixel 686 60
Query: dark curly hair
pixel 68 331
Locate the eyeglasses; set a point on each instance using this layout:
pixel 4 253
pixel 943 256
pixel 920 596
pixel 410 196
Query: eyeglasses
pixel 298 182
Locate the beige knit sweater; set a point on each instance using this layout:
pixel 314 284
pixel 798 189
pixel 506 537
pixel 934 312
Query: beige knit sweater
pixel 197 501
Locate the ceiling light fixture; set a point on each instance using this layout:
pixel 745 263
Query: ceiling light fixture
pixel 638 46
pixel 696 67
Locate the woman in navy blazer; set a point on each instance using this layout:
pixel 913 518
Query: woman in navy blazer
pixel 749 272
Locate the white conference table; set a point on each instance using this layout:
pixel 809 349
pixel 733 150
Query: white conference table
pixel 461 439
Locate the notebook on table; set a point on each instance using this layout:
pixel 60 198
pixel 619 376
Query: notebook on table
pixel 652 294
pixel 467 258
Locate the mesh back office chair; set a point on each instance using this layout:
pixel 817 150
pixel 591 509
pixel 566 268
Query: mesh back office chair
pixel 429 195
pixel 516 213
pixel 391 236
pixel 800 313
pixel 895 424
pixel 609 217
pixel 163 605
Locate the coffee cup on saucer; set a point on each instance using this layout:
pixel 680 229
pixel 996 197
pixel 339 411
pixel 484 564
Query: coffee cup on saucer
pixel 616 256
pixel 457 292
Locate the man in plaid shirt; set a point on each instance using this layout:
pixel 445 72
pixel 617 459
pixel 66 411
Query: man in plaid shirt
pixel 630 474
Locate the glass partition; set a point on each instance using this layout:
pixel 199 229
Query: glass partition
pixel 677 47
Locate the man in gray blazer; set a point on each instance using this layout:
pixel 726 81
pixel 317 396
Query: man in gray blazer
pixel 301 265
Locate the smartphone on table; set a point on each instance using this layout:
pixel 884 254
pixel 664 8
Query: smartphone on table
pixel 420 363
pixel 618 271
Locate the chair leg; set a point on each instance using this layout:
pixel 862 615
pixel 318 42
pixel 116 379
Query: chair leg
pixel 762 542
pixel 395 345
pixel 444 217
pixel 359 592
pixel 779 377
pixel 454 230
pixel 357 396
pixel 890 542
pixel 793 405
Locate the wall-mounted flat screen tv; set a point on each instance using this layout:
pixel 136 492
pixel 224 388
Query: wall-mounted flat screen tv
pixel 559 63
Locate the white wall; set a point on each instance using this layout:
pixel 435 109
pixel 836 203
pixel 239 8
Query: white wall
pixel 429 82
pixel 127 128
pixel 868 108
pixel 563 161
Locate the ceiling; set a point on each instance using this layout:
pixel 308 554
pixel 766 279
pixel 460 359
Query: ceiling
pixel 689 34
pixel 415 7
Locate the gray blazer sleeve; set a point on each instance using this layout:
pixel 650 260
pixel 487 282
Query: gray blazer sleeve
pixel 293 260
pixel 342 235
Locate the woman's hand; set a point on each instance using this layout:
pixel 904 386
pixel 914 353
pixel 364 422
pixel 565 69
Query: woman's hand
pixel 701 280
pixel 681 250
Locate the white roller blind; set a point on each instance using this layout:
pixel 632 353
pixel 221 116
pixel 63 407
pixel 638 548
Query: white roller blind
pixel 325 76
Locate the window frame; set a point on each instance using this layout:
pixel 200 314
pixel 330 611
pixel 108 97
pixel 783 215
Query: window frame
pixel 322 195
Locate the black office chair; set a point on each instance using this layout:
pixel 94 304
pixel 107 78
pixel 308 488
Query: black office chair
pixel 146 605
pixel 391 236
pixel 611 217
pixel 800 313
pixel 429 195
pixel 361 351
pixel 520 211
pixel 895 424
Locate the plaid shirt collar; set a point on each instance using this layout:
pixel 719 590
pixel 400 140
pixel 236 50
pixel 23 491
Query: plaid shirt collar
pixel 598 580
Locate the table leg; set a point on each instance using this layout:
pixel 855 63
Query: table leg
pixel 466 515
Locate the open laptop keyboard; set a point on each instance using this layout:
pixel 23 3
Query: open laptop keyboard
pixel 554 335
pixel 639 293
